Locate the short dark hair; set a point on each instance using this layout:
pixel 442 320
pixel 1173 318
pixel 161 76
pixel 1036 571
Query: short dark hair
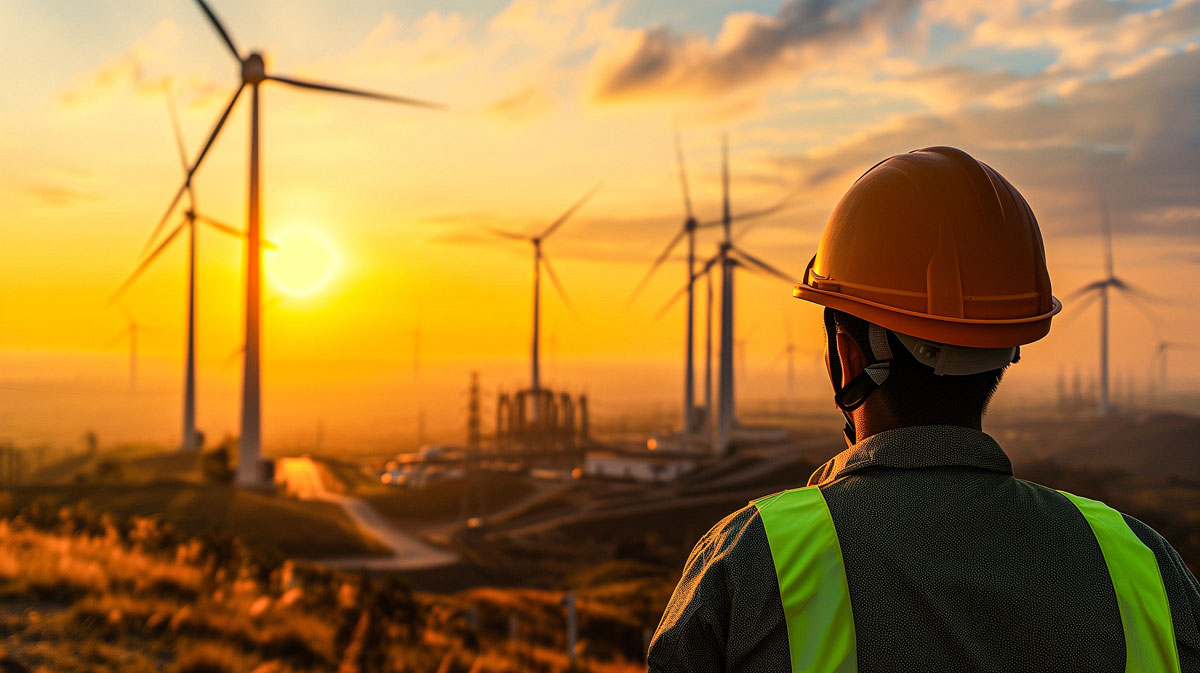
pixel 913 392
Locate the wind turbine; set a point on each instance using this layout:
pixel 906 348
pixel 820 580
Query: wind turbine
pixel 789 352
pixel 729 256
pixel 190 438
pixel 1160 358
pixel 688 231
pixel 541 260
pixel 708 352
pixel 253 75
pixel 131 328
pixel 1098 290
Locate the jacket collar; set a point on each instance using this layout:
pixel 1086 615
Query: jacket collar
pixel 917 447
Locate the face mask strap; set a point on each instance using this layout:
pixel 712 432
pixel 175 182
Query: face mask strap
pixel 855 393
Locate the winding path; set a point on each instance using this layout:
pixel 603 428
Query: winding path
pixel 302 478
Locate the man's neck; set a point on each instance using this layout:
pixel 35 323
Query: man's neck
pixel 874 417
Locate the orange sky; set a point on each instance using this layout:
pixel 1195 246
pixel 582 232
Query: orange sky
pixel 546 99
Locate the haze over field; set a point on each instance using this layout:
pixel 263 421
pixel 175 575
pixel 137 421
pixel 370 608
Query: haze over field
pixel 391 206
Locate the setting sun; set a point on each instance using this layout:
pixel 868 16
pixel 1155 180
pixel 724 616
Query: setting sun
pixel 303 262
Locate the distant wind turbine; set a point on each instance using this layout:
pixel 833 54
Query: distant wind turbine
pixel 1098 290
pixel 789 352
pixel 729 257
pixel 688 230
pixel 1160 358
pixel 253 75
pixel 131 330
pixel 540 260
pixel 190 438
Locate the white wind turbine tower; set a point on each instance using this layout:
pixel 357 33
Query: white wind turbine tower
pixel 688 230
pixel 1098 290
pixel 131 329
pixel 540 260
pixel 729 256
pixel 789 352
pixel 253 73
pixel 1160 359
pixel 190 438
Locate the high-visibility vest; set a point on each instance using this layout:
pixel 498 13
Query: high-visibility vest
pixel 816 598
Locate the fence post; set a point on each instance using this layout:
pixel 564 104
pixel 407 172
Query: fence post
pixel 572 627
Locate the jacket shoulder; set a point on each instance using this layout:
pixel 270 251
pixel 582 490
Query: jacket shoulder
pixel 728 576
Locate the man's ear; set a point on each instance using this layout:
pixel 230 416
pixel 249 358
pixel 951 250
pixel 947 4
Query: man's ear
pixel 853 360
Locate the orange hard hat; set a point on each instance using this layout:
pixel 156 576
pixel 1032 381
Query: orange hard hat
pixel 937 245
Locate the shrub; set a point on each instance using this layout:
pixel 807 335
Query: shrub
pixel 216 467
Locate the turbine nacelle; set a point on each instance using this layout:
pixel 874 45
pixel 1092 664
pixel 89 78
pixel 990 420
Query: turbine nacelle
pixel 254 69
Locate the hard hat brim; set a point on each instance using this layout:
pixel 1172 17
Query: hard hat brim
pixel 969 332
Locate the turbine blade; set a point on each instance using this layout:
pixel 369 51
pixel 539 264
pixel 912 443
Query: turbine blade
pixel 221 226
pixel 683 181
pixel 1140 304
pixel 146 263
pixel 763 266
pixel 187 181
pixel 231 230
pixel 658 261
pixel 1090 287
pixel 220 29
pixel 570 211
pixel 1079 310
pixel 683 290
pixel 178 131
pixel 513 236
pixel 749 215
pixel 402 100
pixel 670 302
pixel 726 219
pixel 120 336
pixel 1108 249
pixel 179 144
pixel 1136 290
pixel 558 285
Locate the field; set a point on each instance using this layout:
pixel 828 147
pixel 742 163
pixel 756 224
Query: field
pixel 148 564
pixel 290 528
pixel 85 594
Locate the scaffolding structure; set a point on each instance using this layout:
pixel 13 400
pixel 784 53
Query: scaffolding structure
pixel 540 420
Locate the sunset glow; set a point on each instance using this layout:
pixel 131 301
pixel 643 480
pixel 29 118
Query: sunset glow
pixel 303 263
pixel 544 99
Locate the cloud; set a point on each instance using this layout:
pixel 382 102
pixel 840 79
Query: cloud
pixel 950 87
pixel 1087 35
pixel 140 70
pixel 55 195
pixel 661 63
pixel 435 42
pixel 1104 136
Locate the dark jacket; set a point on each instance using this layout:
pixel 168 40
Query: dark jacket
pixel 951 562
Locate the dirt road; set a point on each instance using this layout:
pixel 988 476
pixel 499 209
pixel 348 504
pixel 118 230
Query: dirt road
pixel 302 478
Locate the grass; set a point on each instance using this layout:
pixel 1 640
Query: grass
pixel 283 525
pixel 97 600
pixel 443 501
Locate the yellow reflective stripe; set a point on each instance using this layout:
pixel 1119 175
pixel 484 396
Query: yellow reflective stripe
pixel 1141 596
pixel 812 581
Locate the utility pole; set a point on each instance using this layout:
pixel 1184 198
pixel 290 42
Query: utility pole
pixel 572 628
pixel 473 415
